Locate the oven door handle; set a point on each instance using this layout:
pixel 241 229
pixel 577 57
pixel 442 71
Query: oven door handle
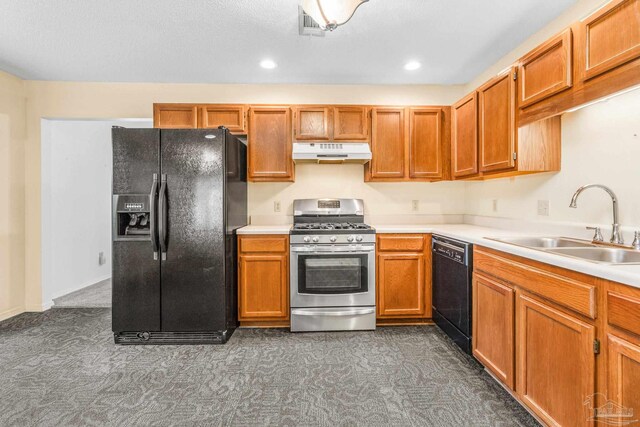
pixel 361 250
pixel 357 312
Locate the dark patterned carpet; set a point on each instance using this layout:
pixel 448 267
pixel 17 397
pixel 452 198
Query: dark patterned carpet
pixel 61 368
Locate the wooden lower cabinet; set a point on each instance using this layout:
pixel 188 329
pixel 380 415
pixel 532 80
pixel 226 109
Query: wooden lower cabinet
pixel 403 278
pixel 556 366
pixel 493 323
pixel 623 377
pixel 576 343
pixel 263 278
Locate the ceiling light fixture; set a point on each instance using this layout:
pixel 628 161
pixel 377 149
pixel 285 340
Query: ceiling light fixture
pixel 330 14
pixel 412 65
pixel 268 64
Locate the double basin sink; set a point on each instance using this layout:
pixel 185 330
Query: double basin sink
pixel 576 248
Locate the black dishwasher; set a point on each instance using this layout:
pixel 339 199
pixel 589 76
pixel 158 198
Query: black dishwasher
pixel 452 264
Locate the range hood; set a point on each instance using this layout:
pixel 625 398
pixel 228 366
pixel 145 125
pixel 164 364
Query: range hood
pixel 331 152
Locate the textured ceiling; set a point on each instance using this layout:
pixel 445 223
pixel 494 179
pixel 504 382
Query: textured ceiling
pixel 223 41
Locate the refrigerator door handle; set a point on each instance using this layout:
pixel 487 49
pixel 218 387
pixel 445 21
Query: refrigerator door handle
pixel 153 207
pixel 162 213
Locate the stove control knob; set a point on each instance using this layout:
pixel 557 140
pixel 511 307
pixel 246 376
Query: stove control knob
pixel 307 239
pixel 315 239
pixel 333 238
pixel 350 239
pixel 359 238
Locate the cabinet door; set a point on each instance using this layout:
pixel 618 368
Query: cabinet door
pixel 350 123
pixel 556 363
pixel 623 375
pixel 493 327
pixel 401 285
pixel 611 37
pixel 546 70
pixel 270 144
pixel 388 143
pixel 425 143
pixel 263 287
pixel 312 123
pixel 233 117
pixel 175 116
pixel 496 118
pixel 464 136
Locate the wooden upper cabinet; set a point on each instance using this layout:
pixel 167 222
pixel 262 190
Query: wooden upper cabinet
pixel 425 143
pixel 464 136
pixel 556 363
pixel 388 143
pixel 312 123
pixel 270 145
pixel 350 123
pixel 233 117
pixel 175 116
pixel 611 37
pixel 496 123
pixel 493 327
pixel 546 70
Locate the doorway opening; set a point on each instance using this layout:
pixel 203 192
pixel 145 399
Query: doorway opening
pixel 76 170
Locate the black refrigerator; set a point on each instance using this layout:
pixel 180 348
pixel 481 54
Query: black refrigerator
pixel 179 195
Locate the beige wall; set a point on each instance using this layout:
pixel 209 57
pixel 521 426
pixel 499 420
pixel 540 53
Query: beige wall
pixel 12 136
pixel 383 201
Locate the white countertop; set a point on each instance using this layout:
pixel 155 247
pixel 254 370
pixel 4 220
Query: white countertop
pixel 265 229
pixel 627 274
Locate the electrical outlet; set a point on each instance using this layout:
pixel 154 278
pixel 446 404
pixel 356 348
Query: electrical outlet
pixel 415 206
pixel 276 206
pixel 101 259
pixel 543 207
pixel 495 205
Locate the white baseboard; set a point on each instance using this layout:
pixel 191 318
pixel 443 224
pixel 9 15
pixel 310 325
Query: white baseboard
pixel 11 312
pixel 39 308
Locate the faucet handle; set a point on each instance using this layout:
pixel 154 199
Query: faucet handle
pixel 636 240
pixel 597 237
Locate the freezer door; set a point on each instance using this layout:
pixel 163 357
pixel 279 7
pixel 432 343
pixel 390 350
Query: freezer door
pixel 192 268
pixel 135 272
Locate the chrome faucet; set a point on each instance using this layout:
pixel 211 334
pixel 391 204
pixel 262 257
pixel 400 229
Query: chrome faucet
pixel 616 237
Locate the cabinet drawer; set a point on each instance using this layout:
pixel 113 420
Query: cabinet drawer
pixel 560 288
pixel 264 243
pixel 623 311
pixel 400 242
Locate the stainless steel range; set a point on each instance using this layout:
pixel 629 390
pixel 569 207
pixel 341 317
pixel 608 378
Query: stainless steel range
pixel 332 266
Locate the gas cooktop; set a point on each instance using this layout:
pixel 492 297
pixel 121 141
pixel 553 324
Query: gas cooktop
pixel 334 216
pixel 331 227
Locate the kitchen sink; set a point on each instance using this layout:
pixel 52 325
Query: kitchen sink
pixel 545 242
pixel 575 248
pixel 601 255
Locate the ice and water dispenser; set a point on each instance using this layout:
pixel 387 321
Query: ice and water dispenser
pixel 132 217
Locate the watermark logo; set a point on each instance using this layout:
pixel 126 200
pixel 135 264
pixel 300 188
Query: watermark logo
pixel 609 412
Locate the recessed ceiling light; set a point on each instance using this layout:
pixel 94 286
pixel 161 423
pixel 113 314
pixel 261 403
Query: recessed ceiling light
pixel 268 64
pixel 412 65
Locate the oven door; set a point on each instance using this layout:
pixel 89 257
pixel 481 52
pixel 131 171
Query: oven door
pixel 334 276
